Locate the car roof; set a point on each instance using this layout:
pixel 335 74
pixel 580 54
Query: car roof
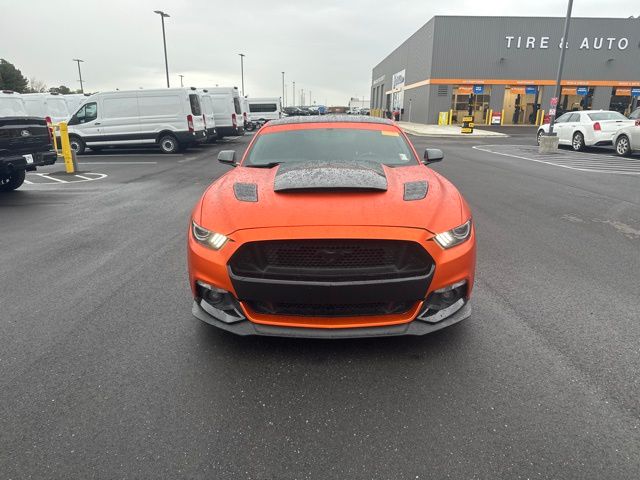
pixel 330 119
pixel 590 111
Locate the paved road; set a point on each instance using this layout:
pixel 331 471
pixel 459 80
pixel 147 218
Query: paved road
pixel 105 374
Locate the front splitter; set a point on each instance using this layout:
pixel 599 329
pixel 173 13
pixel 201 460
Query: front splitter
pixel 416 327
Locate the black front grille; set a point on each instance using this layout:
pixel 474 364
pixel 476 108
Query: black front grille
pixel 332 310
pixel 343 260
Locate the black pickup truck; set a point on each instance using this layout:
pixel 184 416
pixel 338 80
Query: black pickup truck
pixel 25 143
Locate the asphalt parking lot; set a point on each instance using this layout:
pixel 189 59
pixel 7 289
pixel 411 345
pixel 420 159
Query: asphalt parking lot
pixel 105 373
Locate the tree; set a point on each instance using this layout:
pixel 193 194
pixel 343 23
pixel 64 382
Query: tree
pixel 62 89
pixel 36 86
pixel 11 78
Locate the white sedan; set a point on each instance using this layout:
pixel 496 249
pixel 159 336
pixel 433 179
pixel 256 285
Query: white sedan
pixel 587 128
pixel 627 140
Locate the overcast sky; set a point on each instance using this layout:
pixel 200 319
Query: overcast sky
pixel 327 47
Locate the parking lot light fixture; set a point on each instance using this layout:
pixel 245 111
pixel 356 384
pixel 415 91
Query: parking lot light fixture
pixel 77 60
pixel 164 43
pixel 242 55
pixel 565 39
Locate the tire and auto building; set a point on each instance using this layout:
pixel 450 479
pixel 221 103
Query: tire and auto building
pixel 504 69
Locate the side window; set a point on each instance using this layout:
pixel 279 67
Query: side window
pixel 563 118
pixel 575 117
pixel 88 113
pixel 195 104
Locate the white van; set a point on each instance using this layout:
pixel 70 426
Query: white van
pixel 228 111
pixel 244 106
pixel 264 109
pixel 74 100
pixel 170 118
pixel 206 102
pixel 50 106
pixel 12 104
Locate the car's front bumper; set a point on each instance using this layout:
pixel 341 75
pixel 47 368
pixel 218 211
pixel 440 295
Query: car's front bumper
pixel 455 266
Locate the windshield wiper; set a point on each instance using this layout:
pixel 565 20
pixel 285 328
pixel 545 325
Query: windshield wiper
pixel 265 165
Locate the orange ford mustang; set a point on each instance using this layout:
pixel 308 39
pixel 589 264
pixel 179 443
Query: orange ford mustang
pixel 331 227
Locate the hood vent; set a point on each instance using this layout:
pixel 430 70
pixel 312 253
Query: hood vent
pixel 299 176
pixel 415 190
pixel 246 192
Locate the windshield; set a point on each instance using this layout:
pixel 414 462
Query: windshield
pixel 387 147
pixel 12 107
pixel 607 116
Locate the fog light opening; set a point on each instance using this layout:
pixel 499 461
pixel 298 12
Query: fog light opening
pixel 444 302
pixel 446 296
pixel 212 295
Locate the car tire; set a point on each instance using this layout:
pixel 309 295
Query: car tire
pixel 12 181
pixel 623 146
pixel 577 142
pixel 77 145
pixel 169 144
pixel 540 134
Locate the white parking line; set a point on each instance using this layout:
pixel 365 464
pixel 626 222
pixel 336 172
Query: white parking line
pixel 570 160
pixel 46 175
pixel 118 163
pixel 85 178
pixel 130 155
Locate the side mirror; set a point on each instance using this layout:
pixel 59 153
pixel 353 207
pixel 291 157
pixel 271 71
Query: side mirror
pixel 228 157
pixel 432 155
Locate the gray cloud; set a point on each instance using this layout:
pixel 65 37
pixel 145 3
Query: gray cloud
pixel 326 47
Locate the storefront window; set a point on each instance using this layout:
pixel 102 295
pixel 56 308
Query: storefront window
pixel 463 98
pixel 621 100
pixel 573 100
pixel 521 104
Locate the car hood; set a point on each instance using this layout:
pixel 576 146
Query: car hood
pixel 330 194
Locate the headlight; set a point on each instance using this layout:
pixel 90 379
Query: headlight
pixel 454 236
pixel 209 239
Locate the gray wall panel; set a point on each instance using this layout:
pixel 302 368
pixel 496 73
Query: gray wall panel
pixel 472 47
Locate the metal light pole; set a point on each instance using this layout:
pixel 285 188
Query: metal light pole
pixel 181 77
pixel 293 97
pixel 164 42
pixel 242 55
pixel 79 73
pixel 284 103
pixel 565 38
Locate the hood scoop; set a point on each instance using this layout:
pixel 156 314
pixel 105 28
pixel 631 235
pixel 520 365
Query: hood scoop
pixel 318 176
pixel 246 192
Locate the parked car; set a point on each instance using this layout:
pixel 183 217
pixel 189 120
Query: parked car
pixel 50 106
pixel 260 264
pixel 170 118
pixel 586 128
pixel 627 139
pixel 25 142
pixel 227 110
pixel 292 111
pixel 206 102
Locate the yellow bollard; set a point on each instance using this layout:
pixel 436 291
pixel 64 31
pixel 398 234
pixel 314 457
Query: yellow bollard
pixel 502 117
pixel 66 148
pixel 450 116
pixel 542 118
